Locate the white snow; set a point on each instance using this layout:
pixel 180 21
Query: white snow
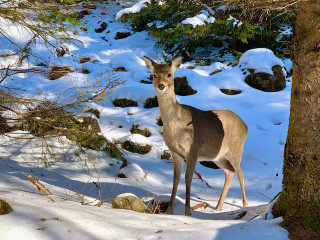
pixel 260 59
pixel 199 19
pixel 134 9
pixel 235 21
pixel 94 175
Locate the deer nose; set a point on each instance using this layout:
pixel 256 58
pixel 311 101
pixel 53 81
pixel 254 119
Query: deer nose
pixel 161 86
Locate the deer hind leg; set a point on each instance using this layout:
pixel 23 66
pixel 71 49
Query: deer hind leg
pixel 235 161
pixel 229 173
pixel 240 178
pixel 177 168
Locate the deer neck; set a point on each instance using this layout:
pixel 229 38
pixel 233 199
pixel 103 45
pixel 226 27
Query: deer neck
pixel 168 105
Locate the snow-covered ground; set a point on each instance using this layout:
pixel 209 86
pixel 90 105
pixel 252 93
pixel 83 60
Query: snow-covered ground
pixel 62 216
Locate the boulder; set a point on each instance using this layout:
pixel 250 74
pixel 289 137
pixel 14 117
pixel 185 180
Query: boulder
pixel 129 201
pixel 263 70
pixel 267 82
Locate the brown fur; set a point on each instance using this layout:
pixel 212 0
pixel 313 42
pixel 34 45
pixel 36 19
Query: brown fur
pixel 192 134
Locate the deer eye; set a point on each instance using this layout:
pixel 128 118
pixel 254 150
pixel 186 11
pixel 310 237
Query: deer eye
pixel 169 75
pixel 154 76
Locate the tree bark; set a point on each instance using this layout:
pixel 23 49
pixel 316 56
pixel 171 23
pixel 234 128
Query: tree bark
pixel 299 200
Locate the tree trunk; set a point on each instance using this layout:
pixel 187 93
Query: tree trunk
pixel 299 201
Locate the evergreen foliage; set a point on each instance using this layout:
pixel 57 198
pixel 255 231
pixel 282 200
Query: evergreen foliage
pixel 163 20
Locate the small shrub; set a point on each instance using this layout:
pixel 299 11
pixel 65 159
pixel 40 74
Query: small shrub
pixel 123 102
pixel 135 148
pixel 182 88
pixel 135 130
pixel 151 102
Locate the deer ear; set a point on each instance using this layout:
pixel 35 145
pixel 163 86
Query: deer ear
pixel 176 62
pixel 150 64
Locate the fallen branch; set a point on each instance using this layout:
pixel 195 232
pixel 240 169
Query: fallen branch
pixel 200 177
pixel 200 205
pixel 39 186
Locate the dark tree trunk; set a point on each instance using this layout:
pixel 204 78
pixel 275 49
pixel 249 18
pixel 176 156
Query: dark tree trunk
pixel 299 201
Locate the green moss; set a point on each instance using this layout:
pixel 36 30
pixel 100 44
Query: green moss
pixel 47 120
pixel 135 148
pixel 5 207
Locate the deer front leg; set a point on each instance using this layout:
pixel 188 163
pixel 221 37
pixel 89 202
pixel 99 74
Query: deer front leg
pixel 177 168
pixel 191 163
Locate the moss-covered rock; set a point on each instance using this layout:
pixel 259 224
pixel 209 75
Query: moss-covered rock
pixel 267 82
pixel 151 102
pixel 165 155
pixel 85 59
pixel 123 102
pixel 144 132
pixel 129 202
pixel 48 120
pixel 135 148
pixel 121 35
pixel 230 91
pixel 5 207
pixel 103 26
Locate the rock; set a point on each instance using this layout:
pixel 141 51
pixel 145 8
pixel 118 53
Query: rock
pixel 85 59
pixel 230 91
pixel 151 102
pixel 103 26
pixel 263 70
pixel 182 88
pixel 60 52
pixel 267 82
pixel 129 201
pixel 123 102
pixel 121 35
pixel 5 207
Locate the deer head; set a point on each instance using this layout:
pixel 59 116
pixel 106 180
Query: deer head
pixel 163 73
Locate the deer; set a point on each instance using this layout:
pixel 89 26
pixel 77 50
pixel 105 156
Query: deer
pixel 195 135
